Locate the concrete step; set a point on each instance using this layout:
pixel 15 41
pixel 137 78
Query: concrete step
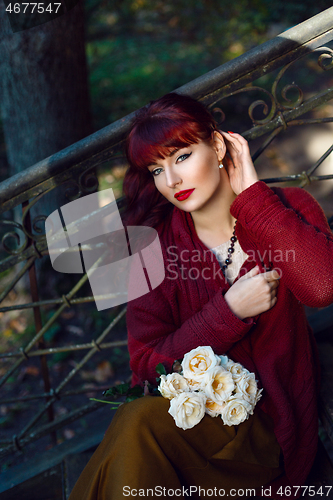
pixel 73 465
pixel 46 472
pixel 48 485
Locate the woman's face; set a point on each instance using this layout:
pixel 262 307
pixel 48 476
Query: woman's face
pixel 190 177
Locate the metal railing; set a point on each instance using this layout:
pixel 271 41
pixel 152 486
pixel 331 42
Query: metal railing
pixel 74 169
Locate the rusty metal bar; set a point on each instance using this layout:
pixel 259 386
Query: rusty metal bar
pixel 82 300
pixel 39 325
pixel 68 348
pixel 320 161
pixel 100 389
pixel 43 330
pixel 72 373
pixel 17 278
pixel 18 443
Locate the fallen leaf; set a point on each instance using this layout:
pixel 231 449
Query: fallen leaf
pixel 68 433
pixel 18 324
pixel 67 314
pixel 104 371
pixel 3 410
pixel 32 370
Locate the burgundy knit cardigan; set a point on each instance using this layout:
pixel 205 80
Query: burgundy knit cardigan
pixel 283 228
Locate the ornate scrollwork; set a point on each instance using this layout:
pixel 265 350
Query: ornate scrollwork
pixel 295 103
pixel 290 96
pixel 15 237
pixel 269 115
pixel 38 218
pixel 260 102
pixel 328 55
pixel 70 195
pixel 88 181
pixel 218 111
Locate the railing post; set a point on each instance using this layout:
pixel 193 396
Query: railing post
pixel 38 326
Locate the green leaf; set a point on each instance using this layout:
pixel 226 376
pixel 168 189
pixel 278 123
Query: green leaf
pixel 111 392
pixel 160 369
pixel 122 388
pixel 135 392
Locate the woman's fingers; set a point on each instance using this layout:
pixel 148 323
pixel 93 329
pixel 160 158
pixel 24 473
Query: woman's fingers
pixel 271 275
pixel 254 293
pixel 227 162
pixel 274 284
pixel 253 272
pixel 236 141
pixel 232 143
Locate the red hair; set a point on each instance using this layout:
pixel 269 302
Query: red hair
pixel 173 121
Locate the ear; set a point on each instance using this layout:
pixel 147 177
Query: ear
pixel 219 145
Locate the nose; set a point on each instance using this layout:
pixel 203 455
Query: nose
pixel 172 178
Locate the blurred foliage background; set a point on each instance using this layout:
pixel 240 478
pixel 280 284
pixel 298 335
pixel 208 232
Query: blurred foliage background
pixel 138 50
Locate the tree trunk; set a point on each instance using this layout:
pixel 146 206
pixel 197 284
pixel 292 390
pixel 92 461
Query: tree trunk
pixel 44 96
pixel 44 101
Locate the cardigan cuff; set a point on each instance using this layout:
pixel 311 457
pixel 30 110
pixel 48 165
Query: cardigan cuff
pixel 245 206
pixel 229 320
pixel 257 208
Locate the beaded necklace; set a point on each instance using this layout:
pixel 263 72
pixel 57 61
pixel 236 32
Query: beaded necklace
pixel 231 250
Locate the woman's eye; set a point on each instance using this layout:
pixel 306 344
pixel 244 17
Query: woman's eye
pixel 183 157
pixel 156 171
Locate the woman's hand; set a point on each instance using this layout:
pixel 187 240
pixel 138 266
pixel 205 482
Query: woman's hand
pixel 253 293
pixel 238 163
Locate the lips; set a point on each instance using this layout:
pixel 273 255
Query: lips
pixel 183 195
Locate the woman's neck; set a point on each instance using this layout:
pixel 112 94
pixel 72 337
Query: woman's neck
pixel 214 223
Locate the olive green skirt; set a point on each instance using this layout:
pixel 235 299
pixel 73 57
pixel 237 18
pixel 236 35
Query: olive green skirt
pixel 145 454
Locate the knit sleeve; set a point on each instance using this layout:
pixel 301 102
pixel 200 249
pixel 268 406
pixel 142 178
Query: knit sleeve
pixel 292 233
pixel 154 337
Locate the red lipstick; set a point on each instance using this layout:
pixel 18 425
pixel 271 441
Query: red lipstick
pixel 183 195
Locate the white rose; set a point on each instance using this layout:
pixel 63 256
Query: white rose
pixel 172 384
pixel 188 408
pixel 218 384
pixel 194 385
pixel 258 396
pixel 196 362
pixel 247 387
pixel 235 411
pixel 236 369
pixel 213 409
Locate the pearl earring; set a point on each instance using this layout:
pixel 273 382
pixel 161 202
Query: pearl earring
pixel 221 164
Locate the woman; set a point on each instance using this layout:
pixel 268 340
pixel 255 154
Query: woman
pixel 240 261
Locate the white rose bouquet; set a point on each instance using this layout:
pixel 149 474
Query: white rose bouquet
pixel 209 384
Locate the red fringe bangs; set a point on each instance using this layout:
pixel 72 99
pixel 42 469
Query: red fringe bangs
pixel 157 138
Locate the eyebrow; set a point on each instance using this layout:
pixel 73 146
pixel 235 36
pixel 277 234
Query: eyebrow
pixel 174 151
